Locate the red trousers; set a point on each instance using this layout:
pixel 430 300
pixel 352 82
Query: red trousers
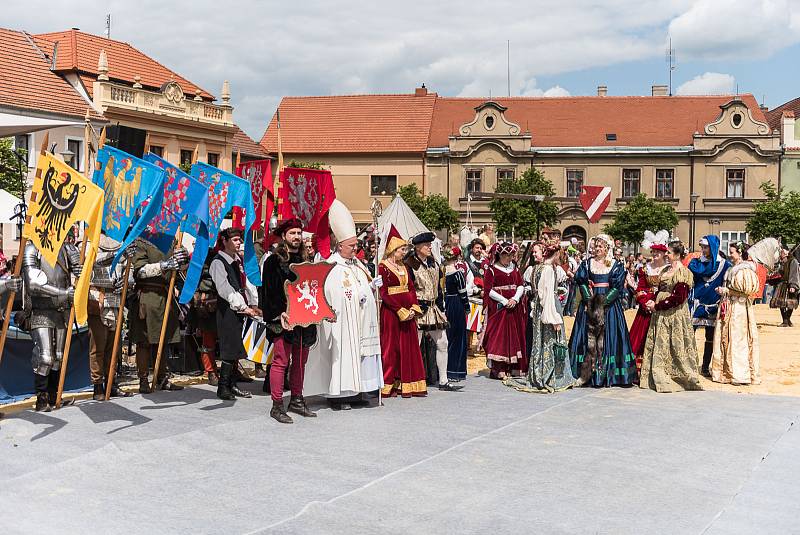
pixel 207 351
pixel 284 351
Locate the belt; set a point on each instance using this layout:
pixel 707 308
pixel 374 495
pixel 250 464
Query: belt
pixel 599 285
pixel 150 287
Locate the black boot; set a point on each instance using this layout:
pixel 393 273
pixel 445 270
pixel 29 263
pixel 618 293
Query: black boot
pixel 117 392
pixel 168 385
pixel 298 405
pixel 239 393
pixel 279 413
pixel 145 387
pixel 99 393
pixel 266 387
pixel 224 386
pixel 43 402
pixel 52 390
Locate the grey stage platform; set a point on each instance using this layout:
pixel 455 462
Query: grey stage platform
pixel 486 460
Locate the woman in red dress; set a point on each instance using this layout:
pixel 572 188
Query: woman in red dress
pixel 646 290
pixel 504 339
pixel 403 369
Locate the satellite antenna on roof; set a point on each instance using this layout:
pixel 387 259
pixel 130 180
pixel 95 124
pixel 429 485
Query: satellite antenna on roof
pixel 671 63
pixel 108 26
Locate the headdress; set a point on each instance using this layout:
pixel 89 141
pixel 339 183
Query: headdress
pixel 286 226
pixel 423 237
pixel 341 221
pixel 609 245
pixel 657 241
pixel 393 241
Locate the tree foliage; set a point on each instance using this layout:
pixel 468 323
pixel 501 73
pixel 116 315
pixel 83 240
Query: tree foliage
pixel 520 215
pixel 778 216
pixel 306 165
pixel 433 210
pixel 12 170
pixel 640 214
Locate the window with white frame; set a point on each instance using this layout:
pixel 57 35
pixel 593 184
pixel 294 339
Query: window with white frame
pixel 74 153
pixel 726 237
pixel 734 183
pixel 473 180
pixel 665 183
pixel 505 174
pixel 631 182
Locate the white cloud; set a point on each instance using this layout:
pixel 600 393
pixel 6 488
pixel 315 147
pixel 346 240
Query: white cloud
pixel 709 83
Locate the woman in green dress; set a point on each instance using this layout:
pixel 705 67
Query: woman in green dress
pixel 669 363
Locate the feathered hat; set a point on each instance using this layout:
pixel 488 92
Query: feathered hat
pixel 341 221
pixel 657 241
pixel 393 241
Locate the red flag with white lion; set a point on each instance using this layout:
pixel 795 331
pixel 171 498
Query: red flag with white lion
pixel 305 297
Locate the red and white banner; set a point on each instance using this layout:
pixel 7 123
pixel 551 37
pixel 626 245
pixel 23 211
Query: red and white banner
pixel 259 174
pixel 307 194
pixel 595 200
pixel 305 297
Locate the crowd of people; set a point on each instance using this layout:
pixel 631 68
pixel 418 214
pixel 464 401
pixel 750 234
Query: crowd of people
pixel 407 321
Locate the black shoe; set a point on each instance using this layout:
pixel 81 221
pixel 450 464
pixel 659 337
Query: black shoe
pixel 298 405
pixel 117 392
pixel 241 375
pixel 705 373
pixel 99 393
pixel 224 393
pixel 169 386
pixel 450 387
pixel 340 405
pixel 42 402
pixel 239 393
pixel 279 413
pixel 144 387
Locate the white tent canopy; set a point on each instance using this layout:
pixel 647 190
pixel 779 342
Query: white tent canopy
pixel 7 204
pixel 13 124
pixel 405 221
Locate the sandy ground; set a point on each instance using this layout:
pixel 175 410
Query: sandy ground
pixel 780 356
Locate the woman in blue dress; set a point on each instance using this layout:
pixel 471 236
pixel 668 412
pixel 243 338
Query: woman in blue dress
pixel 600 281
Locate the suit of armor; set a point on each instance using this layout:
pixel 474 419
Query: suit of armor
pixel 49 298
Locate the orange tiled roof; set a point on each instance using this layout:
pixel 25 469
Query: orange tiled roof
pixel 585 121
pixel 774 115
pixel 354 123
pixel 26 81
pixel 246 145
pixel 79 52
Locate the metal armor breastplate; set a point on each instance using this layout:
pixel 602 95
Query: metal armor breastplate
pixel 56 276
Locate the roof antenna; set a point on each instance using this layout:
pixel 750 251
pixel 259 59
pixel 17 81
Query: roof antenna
pixel 671 63
pixel 508 64
pixel 108 26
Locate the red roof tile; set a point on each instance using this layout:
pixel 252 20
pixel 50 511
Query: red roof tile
pixel 774 115
pixel 585 121
pixel 79 52
pixel 26 81
pixel 355 123
pixel 246 145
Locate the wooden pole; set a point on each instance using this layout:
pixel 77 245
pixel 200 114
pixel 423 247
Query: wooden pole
pixel 18 267
pixel 277 186
pixel 120 315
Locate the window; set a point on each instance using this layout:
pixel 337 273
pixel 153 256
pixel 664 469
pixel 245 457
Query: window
pixel 213 159
pixel 186 157
pixel 474 180
pixel 574 182
pixel 631 179
pixel 728 236
pixel 611 137
pixel 505 174
pixel 665 182
pixel 735 183
pixel 23 143
pixel 158 151
pixel 75 159
pixel 383 184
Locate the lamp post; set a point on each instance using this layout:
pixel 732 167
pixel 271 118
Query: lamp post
pixel 694 197
pixel 537 202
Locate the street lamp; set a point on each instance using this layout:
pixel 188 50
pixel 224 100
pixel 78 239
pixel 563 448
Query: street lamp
pixel 537 202
pixel 694 197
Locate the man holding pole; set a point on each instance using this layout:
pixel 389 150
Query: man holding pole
pixel 151 272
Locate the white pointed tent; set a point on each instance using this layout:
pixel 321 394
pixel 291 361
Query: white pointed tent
pixel 404 220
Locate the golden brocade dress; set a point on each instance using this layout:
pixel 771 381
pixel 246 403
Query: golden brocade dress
pixel 736 352
pixel 669 361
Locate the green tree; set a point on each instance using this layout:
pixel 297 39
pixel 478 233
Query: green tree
pixel 777 216
pixel 520 215
pixel 640 214
pixel 433 210
pixel 12 170
pixel 306 165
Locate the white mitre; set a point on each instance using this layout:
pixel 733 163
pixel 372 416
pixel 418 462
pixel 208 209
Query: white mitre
pixel 341 221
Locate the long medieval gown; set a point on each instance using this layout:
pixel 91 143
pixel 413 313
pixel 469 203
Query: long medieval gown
pixel 504 338
pixel 616 366
pixel 646 290
pixel 403 370
pixel 456 306
pixel 736 351
pixel 549 367
pixel 669 361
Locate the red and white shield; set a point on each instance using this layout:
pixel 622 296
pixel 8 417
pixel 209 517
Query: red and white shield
pixel 595 200
pixel 305 297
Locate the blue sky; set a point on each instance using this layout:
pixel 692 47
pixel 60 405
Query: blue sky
pixel 268 49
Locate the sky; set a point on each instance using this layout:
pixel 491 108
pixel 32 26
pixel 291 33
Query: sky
pixel 270 49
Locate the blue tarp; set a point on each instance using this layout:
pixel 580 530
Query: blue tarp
pixel 16 373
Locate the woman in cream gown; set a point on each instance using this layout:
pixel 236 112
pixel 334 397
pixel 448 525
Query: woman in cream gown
pixel 736 354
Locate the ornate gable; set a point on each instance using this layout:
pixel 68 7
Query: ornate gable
pixel 489 121
pixel 736 119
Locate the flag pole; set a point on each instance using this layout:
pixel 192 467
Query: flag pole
pixel 170 290
pixel 277 186
pixel 68 342
pixel 112 365
pixel 23 241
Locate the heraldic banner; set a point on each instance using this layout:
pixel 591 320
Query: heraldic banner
pixel 60 197
pixel 259 174
pixel 133 187
pixel 307 194
pixel 224 192
pixel 306 302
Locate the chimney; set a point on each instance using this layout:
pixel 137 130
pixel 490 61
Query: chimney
pixel 660 91
pixel 421 91
pixel 102 67
pixel 602 90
